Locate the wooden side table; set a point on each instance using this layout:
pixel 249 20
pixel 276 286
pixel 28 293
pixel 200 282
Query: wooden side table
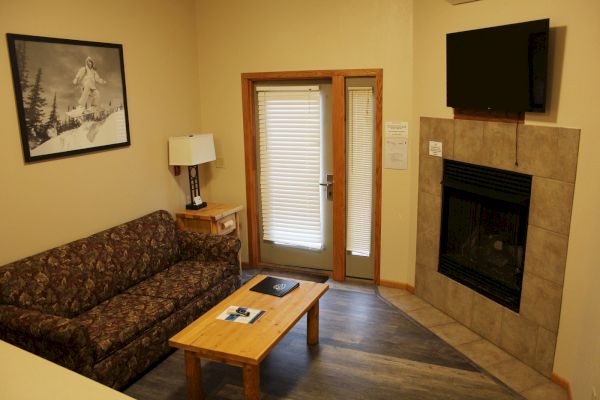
pixel 215 218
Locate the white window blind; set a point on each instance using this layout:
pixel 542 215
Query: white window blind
pixel 290 159
pixel 360 170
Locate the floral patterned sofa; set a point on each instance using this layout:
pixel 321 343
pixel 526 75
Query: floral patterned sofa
pixel 105 306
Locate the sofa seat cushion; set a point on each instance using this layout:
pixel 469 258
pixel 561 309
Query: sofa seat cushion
pixel 183 281
pixel 118 320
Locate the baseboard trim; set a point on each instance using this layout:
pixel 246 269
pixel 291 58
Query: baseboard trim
pixel 288 268
pixel 397 285
pixel 382 282
pixel 560 381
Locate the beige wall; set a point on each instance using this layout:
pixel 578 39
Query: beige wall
pixel 575 103
pixel 271 35
pixel 274 36
pixel 52 202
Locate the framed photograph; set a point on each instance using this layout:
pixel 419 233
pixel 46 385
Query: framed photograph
pixel 70 95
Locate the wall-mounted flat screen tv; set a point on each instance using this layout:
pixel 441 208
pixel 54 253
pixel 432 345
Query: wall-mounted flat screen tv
pixel 500 68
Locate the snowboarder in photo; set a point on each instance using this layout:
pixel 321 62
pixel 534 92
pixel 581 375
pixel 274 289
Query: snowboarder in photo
pixel 87 77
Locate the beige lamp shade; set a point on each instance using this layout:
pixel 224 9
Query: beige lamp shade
pixel 192 149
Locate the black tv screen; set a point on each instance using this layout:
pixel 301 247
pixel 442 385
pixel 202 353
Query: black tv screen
pixel 500 68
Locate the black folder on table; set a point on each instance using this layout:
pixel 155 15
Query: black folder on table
pixel 275 286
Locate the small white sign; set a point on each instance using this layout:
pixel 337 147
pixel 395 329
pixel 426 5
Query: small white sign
pixel 435 148
pixel 396 129
pixel 396 153
pixel 197 200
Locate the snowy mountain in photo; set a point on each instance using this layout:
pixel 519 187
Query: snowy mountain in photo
pixel 90 134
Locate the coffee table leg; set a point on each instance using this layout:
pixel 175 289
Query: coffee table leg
pixel 193 373
pixel 312 324
pixel 251 382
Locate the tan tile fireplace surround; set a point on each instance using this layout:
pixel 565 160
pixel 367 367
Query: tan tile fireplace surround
pixel 549 154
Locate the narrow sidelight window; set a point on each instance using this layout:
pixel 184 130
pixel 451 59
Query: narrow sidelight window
pixel 360 170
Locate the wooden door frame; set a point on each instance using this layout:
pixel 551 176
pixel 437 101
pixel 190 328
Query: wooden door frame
pixel 339 160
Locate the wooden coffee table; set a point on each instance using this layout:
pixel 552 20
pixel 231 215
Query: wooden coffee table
pixel 246 345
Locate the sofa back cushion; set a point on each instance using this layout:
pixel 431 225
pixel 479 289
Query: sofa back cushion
pixel 142 247
pixel 72 278
pixel 62 281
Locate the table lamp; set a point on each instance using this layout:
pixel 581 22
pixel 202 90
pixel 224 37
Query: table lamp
pixel 192 150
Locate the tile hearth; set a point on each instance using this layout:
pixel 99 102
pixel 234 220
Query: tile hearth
pixel 549 154
pixel 498 363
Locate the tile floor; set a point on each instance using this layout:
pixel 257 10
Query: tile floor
pixel 497 362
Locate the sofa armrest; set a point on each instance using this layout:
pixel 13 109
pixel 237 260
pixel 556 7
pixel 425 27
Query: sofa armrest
pixel 55 338
pixel 208 247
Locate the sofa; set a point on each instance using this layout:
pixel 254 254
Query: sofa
pixel 106 305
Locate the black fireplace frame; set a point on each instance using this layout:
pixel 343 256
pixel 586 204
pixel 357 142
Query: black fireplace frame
pixel 501 187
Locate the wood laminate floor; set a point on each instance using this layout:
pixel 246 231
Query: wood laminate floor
pixel 368 350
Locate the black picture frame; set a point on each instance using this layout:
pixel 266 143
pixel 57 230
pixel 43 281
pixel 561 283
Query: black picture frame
pixel 70 94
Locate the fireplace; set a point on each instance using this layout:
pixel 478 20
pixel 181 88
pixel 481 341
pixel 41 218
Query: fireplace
pixel 547 154
pixel 484 229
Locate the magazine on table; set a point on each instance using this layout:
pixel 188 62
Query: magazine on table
pixel 243 315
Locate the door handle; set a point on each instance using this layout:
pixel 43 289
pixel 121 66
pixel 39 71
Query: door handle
pixel 329 186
